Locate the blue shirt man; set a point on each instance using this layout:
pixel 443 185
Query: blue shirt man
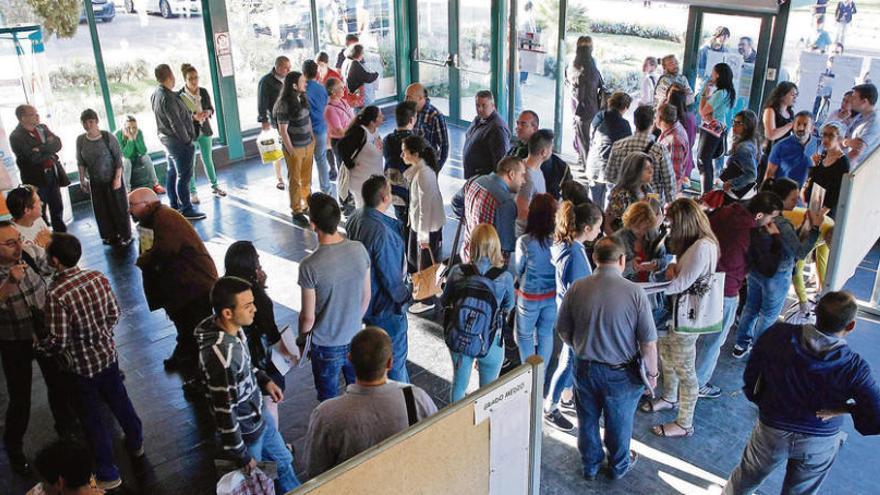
pixel 317 97
pixel 804 379
pixel 793 156
pixel 381 235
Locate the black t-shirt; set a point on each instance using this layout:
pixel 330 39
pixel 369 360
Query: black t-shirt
pixel 830 177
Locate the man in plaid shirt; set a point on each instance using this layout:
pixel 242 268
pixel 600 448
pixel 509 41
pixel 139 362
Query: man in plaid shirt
pixel 22 296
pixel 674 139
pixel 430 123
pixel 81 312
pixel 663 182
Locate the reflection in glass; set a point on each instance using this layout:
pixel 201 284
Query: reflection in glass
pixel 475 52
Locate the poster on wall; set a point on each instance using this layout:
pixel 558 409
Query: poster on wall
pixel 223 48
pixel 811 67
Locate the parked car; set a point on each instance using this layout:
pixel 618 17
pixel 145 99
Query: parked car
pixel 165 8
pixel 103 9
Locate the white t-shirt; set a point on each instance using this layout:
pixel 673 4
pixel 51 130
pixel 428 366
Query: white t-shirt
pixel 368 162
pixel 29 237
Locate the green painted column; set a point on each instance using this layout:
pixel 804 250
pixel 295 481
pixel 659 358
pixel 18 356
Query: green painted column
pixel 404 22
pixel 499 9
pixel 216 22
pixel 99 65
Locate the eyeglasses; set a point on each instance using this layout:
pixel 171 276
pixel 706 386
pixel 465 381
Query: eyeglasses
pixel 11 243
pixel 738 123
pixel 829 134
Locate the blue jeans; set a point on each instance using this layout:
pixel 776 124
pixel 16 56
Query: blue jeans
pixel 270 447
pixel 709 346
pixel 597 194
pixel 600 390
pixel 489 368
pixel 180 170
pixel 560 380
pixel 396 327
pixel 327 362
pixel 534 328
pixel 106 387
pixel 321 162
pixel 807 460
pixel 764 302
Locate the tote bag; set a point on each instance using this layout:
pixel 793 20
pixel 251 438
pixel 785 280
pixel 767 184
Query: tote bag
pixel 700 309
pixel 426 283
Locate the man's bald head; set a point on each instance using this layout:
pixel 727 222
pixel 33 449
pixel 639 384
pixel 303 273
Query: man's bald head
pixel 418 94
pixel 140 200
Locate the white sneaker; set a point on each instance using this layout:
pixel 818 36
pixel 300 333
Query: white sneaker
pixel 420 307
pixel 194 199
pixel 109 484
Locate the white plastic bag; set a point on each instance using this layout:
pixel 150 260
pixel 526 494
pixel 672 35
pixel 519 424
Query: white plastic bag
pixel 238 483
pixel 270 146
pixel 795 315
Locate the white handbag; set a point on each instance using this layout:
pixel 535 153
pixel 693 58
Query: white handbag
pixel 700 309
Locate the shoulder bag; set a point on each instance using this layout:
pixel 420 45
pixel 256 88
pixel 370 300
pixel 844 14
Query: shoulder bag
pixel 700 309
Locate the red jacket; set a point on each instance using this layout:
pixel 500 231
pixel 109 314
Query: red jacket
pixel 732 225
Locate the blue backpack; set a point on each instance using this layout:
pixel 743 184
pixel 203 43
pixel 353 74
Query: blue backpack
pixel 473 318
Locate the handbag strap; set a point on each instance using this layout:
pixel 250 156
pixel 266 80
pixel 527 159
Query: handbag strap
pixel 410 400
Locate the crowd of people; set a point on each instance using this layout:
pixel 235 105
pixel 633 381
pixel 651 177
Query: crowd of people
pixel 613 271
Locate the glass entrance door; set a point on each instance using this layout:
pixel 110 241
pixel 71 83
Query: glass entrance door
pixel 453 53
pixel 739 40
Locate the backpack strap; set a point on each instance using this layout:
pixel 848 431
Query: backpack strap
pixel 410 400
pixel 31 262
pixel 647 150
pixel 495 272
pixel 468 269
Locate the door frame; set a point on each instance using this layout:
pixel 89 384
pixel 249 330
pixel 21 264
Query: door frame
pixel 765 40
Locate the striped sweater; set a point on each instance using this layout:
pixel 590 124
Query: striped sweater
pixel 234 387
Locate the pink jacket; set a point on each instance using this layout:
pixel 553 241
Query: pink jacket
pixel 338 115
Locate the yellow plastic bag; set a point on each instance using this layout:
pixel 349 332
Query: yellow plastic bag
pixel 270 147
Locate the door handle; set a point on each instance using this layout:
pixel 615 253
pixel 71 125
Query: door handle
pixel 452 60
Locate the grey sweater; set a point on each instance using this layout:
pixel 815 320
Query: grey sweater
pixel 345 426
pixel 100 158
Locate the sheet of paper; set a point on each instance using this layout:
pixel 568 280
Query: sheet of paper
pixel 305 353
pixel 817 198
pixel 653 287
pixel 282 361
pixel 509 414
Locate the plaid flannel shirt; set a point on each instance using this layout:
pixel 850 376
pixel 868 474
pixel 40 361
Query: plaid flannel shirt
pixel 16 319
pixel 663 181
pixel 675 141
pixel 480 206
pixel 431 125
pixel 81 312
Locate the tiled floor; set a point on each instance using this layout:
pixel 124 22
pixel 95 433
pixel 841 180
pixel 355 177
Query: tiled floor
pixel 179 440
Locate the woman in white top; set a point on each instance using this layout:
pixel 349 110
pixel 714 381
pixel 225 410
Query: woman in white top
pixel 426 213
pixel 649 81
pixel 369 160
pixel 692 241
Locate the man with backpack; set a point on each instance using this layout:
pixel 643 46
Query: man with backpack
pixel 490 199
pixel 607 321
pixel 663 182
pixel 373 408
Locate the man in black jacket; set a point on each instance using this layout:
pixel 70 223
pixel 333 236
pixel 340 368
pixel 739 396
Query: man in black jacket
pixel 356 74
pixel 268 90
pixel 177 133
pixel 350 39
pixel 36 149
pixel 486 140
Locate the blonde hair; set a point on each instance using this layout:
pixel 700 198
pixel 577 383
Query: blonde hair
pixel 689 224
pixel 485 243
pixel 639 214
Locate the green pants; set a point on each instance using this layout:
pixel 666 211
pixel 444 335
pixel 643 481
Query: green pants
pixel 205 145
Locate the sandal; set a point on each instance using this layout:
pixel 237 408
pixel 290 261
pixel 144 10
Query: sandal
pixel 660 431
pixel 280 185
pixel 652 406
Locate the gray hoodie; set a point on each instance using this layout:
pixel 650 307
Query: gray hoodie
pixel 234 387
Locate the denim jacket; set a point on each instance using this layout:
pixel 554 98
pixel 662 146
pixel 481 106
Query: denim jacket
pixel 571 263
pixel 503 284
pixel 534 266
pixel 380 234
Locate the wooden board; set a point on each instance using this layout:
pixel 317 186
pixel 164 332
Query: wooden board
pixel 452 456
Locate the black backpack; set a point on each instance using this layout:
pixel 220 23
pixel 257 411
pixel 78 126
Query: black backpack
pixel 351 144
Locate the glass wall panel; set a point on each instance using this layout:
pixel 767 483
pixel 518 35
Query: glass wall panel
pixel 475 52
pixel 621 43
pixel 261 31
pixel 432 51
pixel 61 80
pixel 536 40
pixel 136 42
pixel 373 22
pixel 825 58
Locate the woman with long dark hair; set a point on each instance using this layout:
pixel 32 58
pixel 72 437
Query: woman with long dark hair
pixel 536 304
pixel 716 103
pixel 242 261
pixel 426 215
pixel 778 118
pixel 741 173
pixel 677 97
pixel 295 126
pixel 633 184
pixel 585 82
pixel 369 160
